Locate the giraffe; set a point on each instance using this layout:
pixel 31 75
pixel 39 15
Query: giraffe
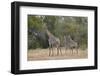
pixel 71 44
pixel 53 42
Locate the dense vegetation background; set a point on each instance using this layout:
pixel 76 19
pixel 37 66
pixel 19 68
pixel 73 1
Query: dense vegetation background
pixel 76 27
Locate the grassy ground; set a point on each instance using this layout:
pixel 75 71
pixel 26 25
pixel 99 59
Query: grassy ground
pixel 43 54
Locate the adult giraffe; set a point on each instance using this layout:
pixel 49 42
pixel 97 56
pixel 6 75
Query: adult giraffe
pixel 54 42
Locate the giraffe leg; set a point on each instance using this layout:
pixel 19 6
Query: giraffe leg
pixel 52 51
pixel 77 50
pixel 66 50
pixel 57 51
pixel 72 51
pixel 49 50
pixel 60 50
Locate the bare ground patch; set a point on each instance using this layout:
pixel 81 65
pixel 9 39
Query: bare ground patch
pixel 43 54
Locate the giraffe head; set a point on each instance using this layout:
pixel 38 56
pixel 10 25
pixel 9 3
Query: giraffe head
pixel 67 37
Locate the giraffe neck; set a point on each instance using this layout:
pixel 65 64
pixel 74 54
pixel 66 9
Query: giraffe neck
pixel 49 33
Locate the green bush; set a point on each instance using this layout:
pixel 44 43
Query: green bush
pixel 59 26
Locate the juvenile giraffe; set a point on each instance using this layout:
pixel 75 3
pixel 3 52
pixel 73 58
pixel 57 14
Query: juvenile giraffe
pixel 71 44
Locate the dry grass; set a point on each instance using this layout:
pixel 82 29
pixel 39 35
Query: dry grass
pixel 43 54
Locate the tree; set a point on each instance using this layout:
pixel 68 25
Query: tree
pixel 59 26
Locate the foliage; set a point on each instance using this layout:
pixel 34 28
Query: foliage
pixel 59 26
